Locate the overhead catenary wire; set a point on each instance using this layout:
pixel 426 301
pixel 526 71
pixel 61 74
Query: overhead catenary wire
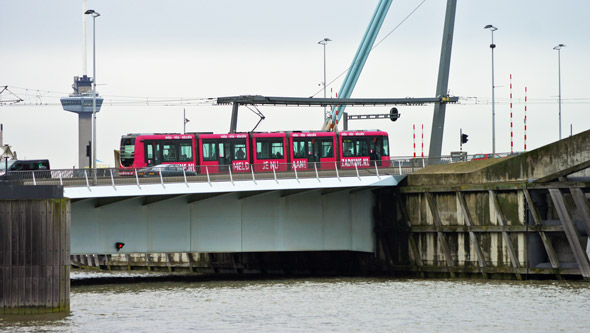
pixel 376 44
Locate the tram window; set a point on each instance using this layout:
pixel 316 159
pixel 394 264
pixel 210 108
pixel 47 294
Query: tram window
pixel 186 151
pixel 277 149
pixel 149 155
pixel 327 149
pixel 262 151
pixel 385 147
pixel 127 151
pixel 362 147
pixel 348 148
pixel 223 152
pixel 355 147
pixel 157 155
pixel 169 153
pixel 300 149
pixel 269 149
pixel 239 151
pixel 127 148
pixel 209 151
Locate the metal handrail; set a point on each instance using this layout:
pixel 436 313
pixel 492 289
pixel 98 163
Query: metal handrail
pixel 277 171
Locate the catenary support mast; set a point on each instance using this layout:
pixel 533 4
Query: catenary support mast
pixel 438 119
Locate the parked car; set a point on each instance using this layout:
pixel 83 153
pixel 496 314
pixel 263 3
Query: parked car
pixel 22 169
pixel 484 156
pixel 167 170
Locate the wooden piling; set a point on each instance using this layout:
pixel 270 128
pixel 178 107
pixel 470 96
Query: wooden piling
pixel 34 256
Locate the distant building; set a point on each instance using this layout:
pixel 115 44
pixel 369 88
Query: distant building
pixel 5 150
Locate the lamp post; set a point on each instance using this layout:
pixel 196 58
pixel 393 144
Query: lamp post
pixel 493 46
pixel 94 16
pixel 558 48
pixel 324 42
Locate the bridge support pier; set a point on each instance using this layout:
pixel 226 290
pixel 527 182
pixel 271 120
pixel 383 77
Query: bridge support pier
pixel 34 251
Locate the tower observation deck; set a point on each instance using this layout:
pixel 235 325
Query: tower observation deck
pixel 80 102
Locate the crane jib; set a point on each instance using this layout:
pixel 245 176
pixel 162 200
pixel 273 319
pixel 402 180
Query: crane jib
pixel 359 62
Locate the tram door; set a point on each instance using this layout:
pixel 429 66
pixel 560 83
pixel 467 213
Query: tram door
pixel 153 155
pixel 306 149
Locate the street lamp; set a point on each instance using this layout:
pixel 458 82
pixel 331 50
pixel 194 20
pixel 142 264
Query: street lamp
pixel 558 48
pixel 493 46
pixel 324 42
pixel 94 16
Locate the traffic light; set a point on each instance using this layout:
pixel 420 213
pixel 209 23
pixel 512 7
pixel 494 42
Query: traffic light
pixel 464 138
pixel 88 150
pixel 393 114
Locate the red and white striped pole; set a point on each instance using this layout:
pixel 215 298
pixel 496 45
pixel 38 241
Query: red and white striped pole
pixel 331 92
pixel 525 98
pixel 422 140
pixel 414 137
pixel 511 129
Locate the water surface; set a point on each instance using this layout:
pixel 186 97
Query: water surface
pixel 317 304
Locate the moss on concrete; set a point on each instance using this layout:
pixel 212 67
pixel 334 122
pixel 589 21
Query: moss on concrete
pixel 560 157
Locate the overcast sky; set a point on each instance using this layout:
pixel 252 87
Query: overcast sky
pixel 152 49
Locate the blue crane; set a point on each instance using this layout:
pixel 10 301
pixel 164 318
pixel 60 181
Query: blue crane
pixel 331 123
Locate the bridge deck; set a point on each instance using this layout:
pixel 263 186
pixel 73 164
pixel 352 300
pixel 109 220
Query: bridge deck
pixel 83 183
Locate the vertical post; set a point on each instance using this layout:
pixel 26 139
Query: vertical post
pixel 559 79
pixel 525 98
pixel 324 42
pixel 511 130
pixel 345 122
pixel 438 118
pixel 324 84
pixel 414 138
pixel 315 166
pixel 493 46
pixel 234 118
pixel 93 165
pixel 422 142
pixel 137 178
pixel 112 179
pixel 209 178
pixel 93 150
pixel 84 57
pixel 86 176
pixel 377 170
pixel 558 48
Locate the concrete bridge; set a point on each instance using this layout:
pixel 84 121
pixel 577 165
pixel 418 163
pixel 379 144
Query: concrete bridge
pixel 525 215
pixel 288 211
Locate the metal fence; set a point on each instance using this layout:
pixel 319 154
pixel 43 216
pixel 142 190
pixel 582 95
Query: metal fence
pixel 226 173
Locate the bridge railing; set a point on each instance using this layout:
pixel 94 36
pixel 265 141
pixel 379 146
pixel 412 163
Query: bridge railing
pixel 226 173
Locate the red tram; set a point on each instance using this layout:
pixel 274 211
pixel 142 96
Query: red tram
pixel 264 152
